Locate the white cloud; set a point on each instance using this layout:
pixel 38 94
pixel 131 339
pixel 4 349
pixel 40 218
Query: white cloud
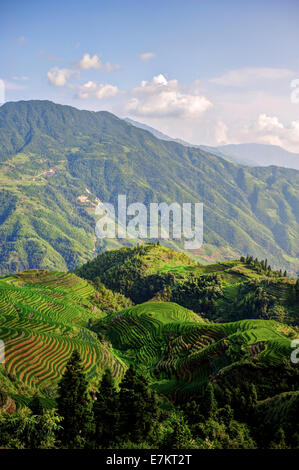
pixel 147 56
pixel 59 77
pixel 160 97
pixel 271 140
pixel 251 75
pixel 269 123
pixel 94 62
pixel 100 90
pixel 221 133
pixel 271 131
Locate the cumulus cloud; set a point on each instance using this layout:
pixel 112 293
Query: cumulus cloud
pixel 269 123
pixel 59 77
pixel 94 62
pixel 271 131
pixel 100 90
pixel 160 97
pixel 251 75
pixel 147 56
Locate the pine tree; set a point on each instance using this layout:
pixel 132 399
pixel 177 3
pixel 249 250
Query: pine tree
pixel 75 406
pixel 106 411
pixel 209 403
pixel 138 407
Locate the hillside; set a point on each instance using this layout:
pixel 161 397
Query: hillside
pixel 182 354
pixel 56 160
pixel 226 291
pixel 44 316
pixel 172 334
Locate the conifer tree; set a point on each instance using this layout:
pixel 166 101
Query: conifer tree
pixel 209 403
pixel 75 406
pixel 138 407
pixel 106 411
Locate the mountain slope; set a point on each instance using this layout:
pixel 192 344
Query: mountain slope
pixel 244 154
pixel 182 354
pixel 260 155
pixel 56 160
pixel 231 290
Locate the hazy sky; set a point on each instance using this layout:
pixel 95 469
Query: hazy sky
pixel 208 71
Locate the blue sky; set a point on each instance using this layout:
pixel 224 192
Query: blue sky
pixel 207 71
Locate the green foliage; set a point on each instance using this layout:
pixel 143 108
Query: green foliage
pixel 138 407
pixel 106 410
pixel 226 291
pixel 208 402
pixel 74 405
pixel 24 430
pixel 108 300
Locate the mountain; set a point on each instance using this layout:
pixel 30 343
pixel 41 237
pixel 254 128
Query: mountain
pixel 57 161
pixel 156 133
pixel 244 154
pixel 260 155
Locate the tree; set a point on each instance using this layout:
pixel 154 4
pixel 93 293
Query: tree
pixel 36 406
pixel 138 407
pixel 179 435
pixel 75 406
pixel 226 415
pixel 106 411
pixel 23 430
pixel 209 403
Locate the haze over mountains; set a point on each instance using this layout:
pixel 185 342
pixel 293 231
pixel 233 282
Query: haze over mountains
pixel 251 154
pixel 56 160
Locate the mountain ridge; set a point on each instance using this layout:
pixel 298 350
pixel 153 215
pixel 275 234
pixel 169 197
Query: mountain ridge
pixel 248 154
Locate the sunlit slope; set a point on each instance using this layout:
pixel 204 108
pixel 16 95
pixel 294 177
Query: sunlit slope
pixel 181 353
pixel 225 291
pixel 43 318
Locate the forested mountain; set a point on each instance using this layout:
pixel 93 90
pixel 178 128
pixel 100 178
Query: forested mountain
pixel 56 160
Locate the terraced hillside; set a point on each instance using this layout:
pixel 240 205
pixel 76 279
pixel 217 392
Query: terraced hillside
pixel 181 353
pixel 172 334
pixel 231 290
pixel 44 316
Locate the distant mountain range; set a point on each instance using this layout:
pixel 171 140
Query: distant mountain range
pixel 57 160
pixel 251 154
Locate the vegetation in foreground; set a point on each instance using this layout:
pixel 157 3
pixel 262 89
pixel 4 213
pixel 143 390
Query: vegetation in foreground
pixel 133 416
